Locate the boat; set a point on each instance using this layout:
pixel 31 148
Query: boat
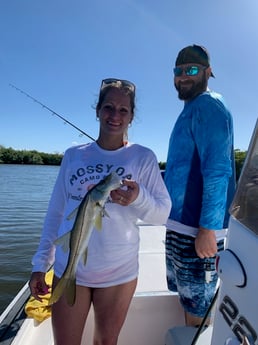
pixel 155 316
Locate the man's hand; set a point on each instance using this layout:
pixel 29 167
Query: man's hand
pixel 206 243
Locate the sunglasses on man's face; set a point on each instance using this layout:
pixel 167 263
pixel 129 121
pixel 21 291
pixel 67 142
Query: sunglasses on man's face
pixel 189 70
pixel 126 83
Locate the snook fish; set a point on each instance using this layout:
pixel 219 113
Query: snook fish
pixel 89 214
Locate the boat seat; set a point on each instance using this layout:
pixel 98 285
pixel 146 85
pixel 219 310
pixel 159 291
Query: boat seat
pixel 184 335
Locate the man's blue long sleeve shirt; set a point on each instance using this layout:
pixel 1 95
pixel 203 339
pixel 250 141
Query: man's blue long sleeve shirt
pixel 200 168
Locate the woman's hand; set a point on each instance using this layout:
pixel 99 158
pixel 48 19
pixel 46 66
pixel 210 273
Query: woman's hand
pixel 125 196
pixel 38 285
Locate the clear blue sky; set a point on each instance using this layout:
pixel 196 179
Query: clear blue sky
pixel 59 51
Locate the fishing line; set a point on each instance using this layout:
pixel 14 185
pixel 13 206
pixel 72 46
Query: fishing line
pixel 202 325
pixel 53 112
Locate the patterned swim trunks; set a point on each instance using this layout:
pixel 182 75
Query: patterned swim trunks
pixel 186 273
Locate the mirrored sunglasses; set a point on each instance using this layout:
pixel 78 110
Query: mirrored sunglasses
pixel 189 70
pixel 126 83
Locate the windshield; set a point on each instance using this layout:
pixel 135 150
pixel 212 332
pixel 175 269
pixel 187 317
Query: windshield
pixel 245 203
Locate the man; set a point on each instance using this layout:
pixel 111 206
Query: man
pixel 200 179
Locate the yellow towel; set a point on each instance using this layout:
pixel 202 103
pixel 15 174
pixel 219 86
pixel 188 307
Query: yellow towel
pixel 40 311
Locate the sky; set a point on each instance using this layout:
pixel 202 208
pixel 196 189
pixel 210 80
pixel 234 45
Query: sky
pixel 58 51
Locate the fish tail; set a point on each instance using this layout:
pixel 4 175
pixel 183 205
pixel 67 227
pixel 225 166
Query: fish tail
pixel 67 286
pixel 70 291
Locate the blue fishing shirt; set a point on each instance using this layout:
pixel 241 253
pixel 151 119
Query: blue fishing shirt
pixel 200 168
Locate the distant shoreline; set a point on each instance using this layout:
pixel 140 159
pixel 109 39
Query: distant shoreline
pixel 33 157
pixel 28 157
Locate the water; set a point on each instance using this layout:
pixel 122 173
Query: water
pixel 24 194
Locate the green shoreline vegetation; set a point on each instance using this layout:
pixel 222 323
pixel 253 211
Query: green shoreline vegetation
pixel 30 157
pixel 33 157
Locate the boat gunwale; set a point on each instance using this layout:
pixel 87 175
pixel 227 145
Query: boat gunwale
pixel 13 317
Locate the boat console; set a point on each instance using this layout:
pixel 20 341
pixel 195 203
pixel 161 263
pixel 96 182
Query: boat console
pixel 236 316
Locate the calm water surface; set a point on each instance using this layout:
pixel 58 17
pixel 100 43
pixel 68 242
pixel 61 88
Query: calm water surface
pixel 24 194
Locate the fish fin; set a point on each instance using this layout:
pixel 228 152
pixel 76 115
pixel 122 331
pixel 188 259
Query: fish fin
pixel 102 210
pixel 104 213
pixel 64 241
pixel 98 221
pixel 72 214
pixel 58 291
pixel 84 256
pixel 67 286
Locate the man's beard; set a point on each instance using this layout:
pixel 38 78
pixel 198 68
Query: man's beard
pixel 188 93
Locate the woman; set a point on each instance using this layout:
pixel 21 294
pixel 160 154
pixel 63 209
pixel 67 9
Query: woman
pixel 109 278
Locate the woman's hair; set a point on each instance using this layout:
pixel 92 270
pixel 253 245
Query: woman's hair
pixel 120 85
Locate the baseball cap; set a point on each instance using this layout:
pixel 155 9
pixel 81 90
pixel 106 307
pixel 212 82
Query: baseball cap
pixel 194 54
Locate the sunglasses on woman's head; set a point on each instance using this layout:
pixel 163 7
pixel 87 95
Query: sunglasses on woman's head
pixel 110 81
pixel 189 70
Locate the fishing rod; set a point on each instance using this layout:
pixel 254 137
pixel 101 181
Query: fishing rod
pixel 53 112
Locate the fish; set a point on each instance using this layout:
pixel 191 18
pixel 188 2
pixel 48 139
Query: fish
pixel 88 215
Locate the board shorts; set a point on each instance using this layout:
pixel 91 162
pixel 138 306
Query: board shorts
pixel 186 273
